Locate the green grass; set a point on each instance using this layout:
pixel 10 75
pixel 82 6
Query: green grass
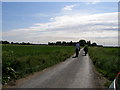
pixel 21 60
pixel 106 60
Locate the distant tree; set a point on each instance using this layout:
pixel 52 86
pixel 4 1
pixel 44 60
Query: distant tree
pixel 58 43
pixel 12 42
pixel 5 42
pixel 17 43
pixel 23 43
pixel 88 43
pixel 82 42
pixel 51 43
pixel 64 43
pixel 71 43
pixel 28 43
pixel 94 44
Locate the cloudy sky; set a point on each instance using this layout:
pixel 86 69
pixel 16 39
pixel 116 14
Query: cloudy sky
pixel 43 22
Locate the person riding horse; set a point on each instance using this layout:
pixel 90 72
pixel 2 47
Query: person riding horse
pixel 86 49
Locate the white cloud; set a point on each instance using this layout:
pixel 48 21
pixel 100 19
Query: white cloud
pixel 68 8
pixel 93 2
pixel 101 28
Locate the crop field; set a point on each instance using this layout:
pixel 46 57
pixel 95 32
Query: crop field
pixel 21 60
pixel 106 60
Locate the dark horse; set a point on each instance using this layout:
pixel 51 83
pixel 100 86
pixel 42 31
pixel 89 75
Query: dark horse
pixel 86 50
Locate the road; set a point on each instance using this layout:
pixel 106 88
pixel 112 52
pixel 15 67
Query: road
pixel 72 73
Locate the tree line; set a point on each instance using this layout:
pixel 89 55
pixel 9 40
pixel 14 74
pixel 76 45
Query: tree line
pixel 71 43
pixel 7 42
pixel 58 43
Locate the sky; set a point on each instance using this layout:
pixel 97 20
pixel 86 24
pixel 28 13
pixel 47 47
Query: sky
pixel 43 22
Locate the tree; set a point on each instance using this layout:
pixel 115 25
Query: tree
pixel 64 43
pixel 12 42
pixel 71 43
pixel 94 44
pixel 82 42
pixel 5 42
pixel 89 43
pixel 51 43
pixel 58 43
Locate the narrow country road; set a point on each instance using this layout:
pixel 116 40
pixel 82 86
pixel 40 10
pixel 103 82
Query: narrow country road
pixel 72 73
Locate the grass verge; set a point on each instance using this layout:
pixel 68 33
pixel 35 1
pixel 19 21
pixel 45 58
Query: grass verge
pixel 106 61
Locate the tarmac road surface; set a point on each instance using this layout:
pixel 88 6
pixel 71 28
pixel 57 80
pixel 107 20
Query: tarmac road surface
pixel 72 73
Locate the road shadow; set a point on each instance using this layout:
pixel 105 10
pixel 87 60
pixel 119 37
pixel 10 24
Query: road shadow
pixel 74 57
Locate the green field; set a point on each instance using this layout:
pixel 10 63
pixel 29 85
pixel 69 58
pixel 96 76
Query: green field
pixel 21 60
pixel 106 60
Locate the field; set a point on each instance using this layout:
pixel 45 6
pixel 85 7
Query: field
pixel 106 60
pixel 21 60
